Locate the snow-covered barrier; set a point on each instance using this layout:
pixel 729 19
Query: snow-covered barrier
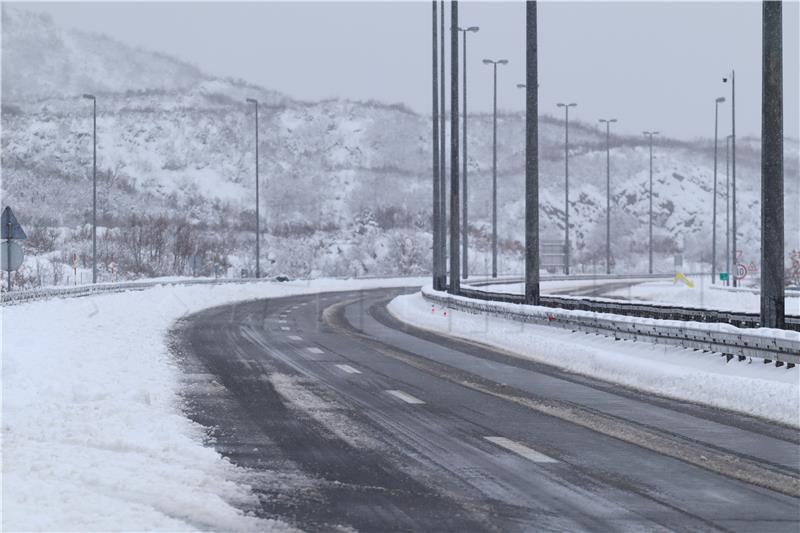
pixel 10 298
pixel 13 297
pixel 780 346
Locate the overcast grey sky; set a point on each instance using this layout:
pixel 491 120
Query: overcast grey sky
pixel 652 65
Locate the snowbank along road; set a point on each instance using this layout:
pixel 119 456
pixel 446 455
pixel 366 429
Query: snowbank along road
pixel 347 418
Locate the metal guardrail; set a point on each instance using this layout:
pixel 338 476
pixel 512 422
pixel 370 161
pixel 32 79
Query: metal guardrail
pixel 733 343
pixel 560 277
pixel 11 298
pixel 658 311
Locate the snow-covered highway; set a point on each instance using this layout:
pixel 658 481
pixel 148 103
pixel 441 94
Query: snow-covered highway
pixel 373 424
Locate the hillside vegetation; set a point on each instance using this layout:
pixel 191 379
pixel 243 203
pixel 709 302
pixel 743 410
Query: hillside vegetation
pixel 345 185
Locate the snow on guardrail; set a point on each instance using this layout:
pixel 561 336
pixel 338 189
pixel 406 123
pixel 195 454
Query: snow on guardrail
pixel 781 346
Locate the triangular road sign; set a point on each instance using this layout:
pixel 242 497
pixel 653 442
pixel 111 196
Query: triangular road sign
pixel 9 226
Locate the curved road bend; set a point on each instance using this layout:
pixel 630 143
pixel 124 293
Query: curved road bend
pixel 346 418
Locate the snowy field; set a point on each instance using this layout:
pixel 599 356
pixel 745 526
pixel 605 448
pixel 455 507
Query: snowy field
pixel 93 433
pixel 703 294
pixel 757 389
pixel 547 286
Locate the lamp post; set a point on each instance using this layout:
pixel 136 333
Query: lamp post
pixel 608 123
pixel 727 210
pixel 714 202
pixel 443 225
pixel 94 185
pixel 566 184
pixel 494 64
pixel 650 195
pixel 464 197
pixel 455 186
pixel 436 219
pixel 773 297
pixel 733 165
pixel 531 156
pixel 258 229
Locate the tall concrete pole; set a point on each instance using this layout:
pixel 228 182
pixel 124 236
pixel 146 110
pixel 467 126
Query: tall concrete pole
pixel 650 197
pixel 94 185
pixel 436 219
pixel 772 269
pixel 494 64
pixel 727 209
pixel 608 123
pixel 94 190
pixel 442 146
pixel 464 193
pixel 531 157
pixel 454 152
pixel 258 215
pixel 494 175
pixel 566 184
pixel 733 168
pixel 714 202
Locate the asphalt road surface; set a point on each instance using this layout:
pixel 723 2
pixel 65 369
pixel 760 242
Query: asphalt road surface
pixel 347 420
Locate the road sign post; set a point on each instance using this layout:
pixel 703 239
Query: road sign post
pixel 11 230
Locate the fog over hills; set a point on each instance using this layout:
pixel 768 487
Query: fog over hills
pixel 345 184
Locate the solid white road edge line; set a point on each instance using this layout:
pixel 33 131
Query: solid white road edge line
pixel 521 449
pixel 405 397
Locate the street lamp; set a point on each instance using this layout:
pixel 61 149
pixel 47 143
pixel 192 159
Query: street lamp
pixel 650 134
pixel 443 209
pixel 94 185
pixel 464 197
pixel 714 203
pixel 258 229
pixel 566 184
pixel 733 163
pixel 494 64
pixel 608 123
pixel 437 200
pixel 727 210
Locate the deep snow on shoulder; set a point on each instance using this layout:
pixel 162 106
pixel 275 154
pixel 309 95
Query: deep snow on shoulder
pixel 755 389
pixel 93 432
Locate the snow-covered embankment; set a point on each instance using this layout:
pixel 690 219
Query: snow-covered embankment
pixel 93 432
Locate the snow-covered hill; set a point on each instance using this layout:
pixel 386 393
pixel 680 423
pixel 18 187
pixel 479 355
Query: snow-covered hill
pixel 179 144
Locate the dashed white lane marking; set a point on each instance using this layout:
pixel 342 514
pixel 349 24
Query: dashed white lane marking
pixel 285 328
pixel 349 369
pixel 283 321
pixel 295 338
pixel 304 303
pixel 315 350
pixel 405 397
pixel 521 449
